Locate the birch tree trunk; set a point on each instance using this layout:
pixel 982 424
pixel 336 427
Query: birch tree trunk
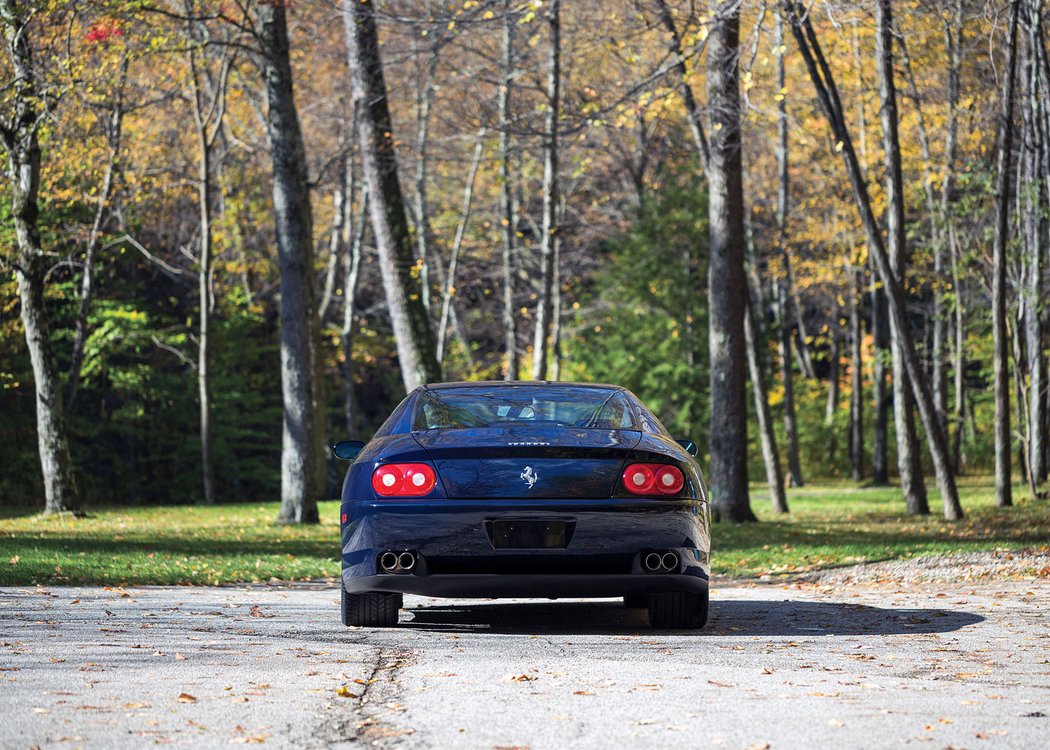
pixel 354 233
pixel 19 133
pixel 953 41
pixel 204 270
pixel 785 288
pixel 457 242
pixel 506 193
pixel 1036 224
pixel 832 404
pixel 208 110
pixel 880 461
pixel 544 306
pixel 856 399
pixel 827 94
pixel 879 314
pixel 770 455
pixel 1000 337
pixel 300 454
pixel 909 460
pixel 726 280
pixel 415 338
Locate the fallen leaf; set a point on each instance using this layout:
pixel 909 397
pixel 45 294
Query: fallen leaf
pixel 583 692
pixel 344 692
pixel 186 698
pixel 522 678
pixel 179 657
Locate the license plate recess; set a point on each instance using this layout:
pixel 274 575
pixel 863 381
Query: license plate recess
pixel 529 533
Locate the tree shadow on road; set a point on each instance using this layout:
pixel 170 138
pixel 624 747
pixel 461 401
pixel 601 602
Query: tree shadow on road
pixel 728 618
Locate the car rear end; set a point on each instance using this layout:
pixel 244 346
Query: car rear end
pixel 588 507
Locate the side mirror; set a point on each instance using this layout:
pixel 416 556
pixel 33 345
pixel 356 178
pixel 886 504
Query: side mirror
pixel 689 446
pixel 347 449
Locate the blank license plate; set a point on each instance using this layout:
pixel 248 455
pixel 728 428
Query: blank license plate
pixel 527 534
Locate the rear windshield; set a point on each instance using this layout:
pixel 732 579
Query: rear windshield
pixel 521 406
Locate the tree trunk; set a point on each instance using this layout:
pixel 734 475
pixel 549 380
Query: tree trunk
pixel 953 40
pixel 1036 224
pixel 909 460
pixel 787 377
pixel 958 358
pixel 204 292
pixel 209 109
pixel 770 456
pixel 785 289
pixel 726 281
pixel 544 306
pixel 506 193
pixel 937 222
pixel 856 398
pixel 880 462
pixel 355 246
pixel 415 338
pixel 424 97
pixel 20 139
pixel 457 242
pixel 832 404
pixel 300 453
pixel 827 93
pixel 1000 337
pixel 344 183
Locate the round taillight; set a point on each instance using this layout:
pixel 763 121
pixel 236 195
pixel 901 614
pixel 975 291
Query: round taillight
pixel 387 480
pixel 639 479
pixel 404 480
pixel 669 480
pixel 653 479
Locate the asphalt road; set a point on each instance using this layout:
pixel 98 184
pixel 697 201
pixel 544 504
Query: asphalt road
pixel 779 667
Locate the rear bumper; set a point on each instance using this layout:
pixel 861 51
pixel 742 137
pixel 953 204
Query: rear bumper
pixel 456 557
pixel 473 586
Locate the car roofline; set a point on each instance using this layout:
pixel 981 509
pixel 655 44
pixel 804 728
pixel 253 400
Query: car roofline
pixel 517 383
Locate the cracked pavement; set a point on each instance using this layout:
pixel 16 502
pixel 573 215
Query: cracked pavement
pixel 779 666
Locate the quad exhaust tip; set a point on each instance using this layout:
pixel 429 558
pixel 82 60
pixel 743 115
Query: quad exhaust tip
pixel 661 562
pixel 397 562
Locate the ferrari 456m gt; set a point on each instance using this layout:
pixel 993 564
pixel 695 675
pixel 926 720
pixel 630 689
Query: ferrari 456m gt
pixel 524 489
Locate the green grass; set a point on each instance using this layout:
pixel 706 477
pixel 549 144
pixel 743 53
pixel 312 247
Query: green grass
pixel 829 525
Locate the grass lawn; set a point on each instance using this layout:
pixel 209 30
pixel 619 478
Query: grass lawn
pixel 829 525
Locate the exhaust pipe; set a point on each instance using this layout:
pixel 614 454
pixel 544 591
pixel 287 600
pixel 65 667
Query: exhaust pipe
pixel 661 562
pixel 388 561
pixel 670 561
pixel 406 561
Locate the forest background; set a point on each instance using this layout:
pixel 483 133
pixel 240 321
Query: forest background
pixel 206 170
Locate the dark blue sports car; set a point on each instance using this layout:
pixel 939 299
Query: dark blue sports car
pixel 524 489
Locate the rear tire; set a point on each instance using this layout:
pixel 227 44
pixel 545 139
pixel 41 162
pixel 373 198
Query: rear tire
pixel 636 601
pixel 370 610
pixel 678 610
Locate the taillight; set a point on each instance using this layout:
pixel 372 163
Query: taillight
pixel 403 480
pixel 648 479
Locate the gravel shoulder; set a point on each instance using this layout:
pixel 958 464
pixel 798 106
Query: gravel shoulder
pixel 867 661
